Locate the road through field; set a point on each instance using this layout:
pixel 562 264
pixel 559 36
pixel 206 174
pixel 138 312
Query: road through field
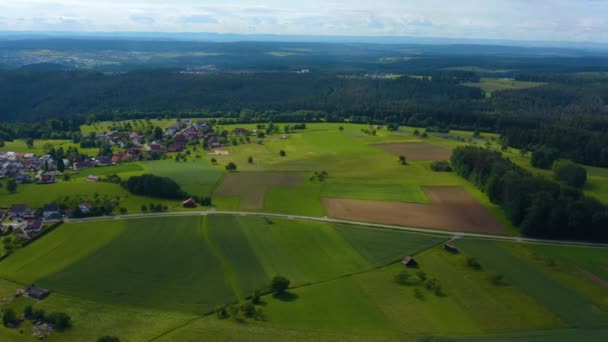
pixel 455 235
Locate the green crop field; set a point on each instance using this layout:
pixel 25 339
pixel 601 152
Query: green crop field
pixel 197 177
pixel 568 304
pixel 144 279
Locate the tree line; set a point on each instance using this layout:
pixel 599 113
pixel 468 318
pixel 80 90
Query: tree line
pixel 539 207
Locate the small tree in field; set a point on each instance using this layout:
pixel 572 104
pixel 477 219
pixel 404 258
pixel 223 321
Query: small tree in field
pixel 11 186
pixel 250 160
pixel 282 153
pixel 231 167
pixel 402 160
pixel 279 285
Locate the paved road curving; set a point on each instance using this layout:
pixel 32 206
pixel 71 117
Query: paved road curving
pixel 452 234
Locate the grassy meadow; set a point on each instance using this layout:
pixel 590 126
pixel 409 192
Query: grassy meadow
pixel 491 85
pixel 158 279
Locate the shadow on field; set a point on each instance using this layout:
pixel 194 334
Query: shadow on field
pixel 286 296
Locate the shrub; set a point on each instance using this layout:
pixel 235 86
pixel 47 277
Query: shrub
pixel 402 278
pixel 441 166
pixel 473 263
pixel 572 174
pixel 9 317
pixel 108 339
pixel 231 167
pixel 154 186
pixel 279 284
pixel 418 294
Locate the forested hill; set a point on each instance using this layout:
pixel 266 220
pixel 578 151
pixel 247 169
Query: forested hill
pixel 31 95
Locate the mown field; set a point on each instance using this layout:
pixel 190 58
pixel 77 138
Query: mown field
pixel 158 278
pixel 491 85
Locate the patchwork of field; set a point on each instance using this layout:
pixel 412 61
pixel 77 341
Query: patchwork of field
pixel 145 279
pixel 452 209
pixel 417 151
pixel 251 187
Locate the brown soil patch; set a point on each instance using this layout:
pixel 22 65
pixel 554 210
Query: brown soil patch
pixel 452 209
pixel 251 187
pixel 417 151
pixel 593 277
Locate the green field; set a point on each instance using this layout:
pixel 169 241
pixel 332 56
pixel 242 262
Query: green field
pixel 197 177
pixel 38 148
pixel 491 85
pixel 144 279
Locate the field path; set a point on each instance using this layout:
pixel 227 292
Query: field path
pixel 455 235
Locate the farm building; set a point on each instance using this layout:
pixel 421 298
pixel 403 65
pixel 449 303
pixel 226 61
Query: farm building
pixel 19 210
pixel 51 211
pixel 93 179
pixel 37 292
pixel 85 207
pixel 451 248
pixel 409 262
pixel 189 203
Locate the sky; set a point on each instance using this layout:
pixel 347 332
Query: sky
pixel 548 20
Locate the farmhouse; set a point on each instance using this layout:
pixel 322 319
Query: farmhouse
pixel 104 161
pixel 189 203
pixel 51 211
pixel 33 227
pixel 19 210
pixel 37 292
pixel 409 262
pixel 85 207
pixel 47 178
pixel 85 164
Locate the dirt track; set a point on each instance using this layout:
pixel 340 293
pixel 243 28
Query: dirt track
pixel 417 151
pixel 452 209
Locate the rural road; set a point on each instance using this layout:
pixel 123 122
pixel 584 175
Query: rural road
pixel 452 234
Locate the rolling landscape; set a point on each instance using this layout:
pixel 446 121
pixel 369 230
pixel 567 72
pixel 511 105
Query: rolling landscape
pixel 324 182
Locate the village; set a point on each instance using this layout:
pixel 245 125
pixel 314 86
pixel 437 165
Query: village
pixel 126 146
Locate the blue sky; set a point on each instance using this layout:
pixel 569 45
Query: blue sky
pixel 556 20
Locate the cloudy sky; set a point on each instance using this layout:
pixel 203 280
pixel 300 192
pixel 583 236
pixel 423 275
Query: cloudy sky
pixel 558 20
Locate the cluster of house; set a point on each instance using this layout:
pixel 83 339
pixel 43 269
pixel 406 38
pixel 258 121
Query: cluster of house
pixel 27 223
pixel 179 134
pixel 22 165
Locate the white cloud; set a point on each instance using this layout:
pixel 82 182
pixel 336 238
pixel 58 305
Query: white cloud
pixel 508 19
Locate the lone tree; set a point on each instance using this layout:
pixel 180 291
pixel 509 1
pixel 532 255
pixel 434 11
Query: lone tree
pixel 9 316
pixel 11 186
pixel 282 153
pixel 402 160
pixel 29 142
pixel 570 173
pixel 250 160
pixel 231 167
pixel 279 285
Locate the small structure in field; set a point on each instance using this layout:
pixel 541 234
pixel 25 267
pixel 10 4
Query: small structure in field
pixel 93 178
pixel 221 152
pixel 189 203
pixel 37 292
pixel 451 248
pixel 409 262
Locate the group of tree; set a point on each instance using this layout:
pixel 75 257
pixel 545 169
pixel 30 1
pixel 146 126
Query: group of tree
pixel 60 320
pixel 154 186
pixel 154 208
pixel 540 207
pixel 441 166
pixel 319 176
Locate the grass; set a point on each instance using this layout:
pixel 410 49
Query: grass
pixel 121 170
pixel 573 308
pixel 491 85
pixel 38 148
pixel 138 265
pixel 197 177
pixel 305 252
pixel 381 247
pixel 378 192
pixel 38 195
